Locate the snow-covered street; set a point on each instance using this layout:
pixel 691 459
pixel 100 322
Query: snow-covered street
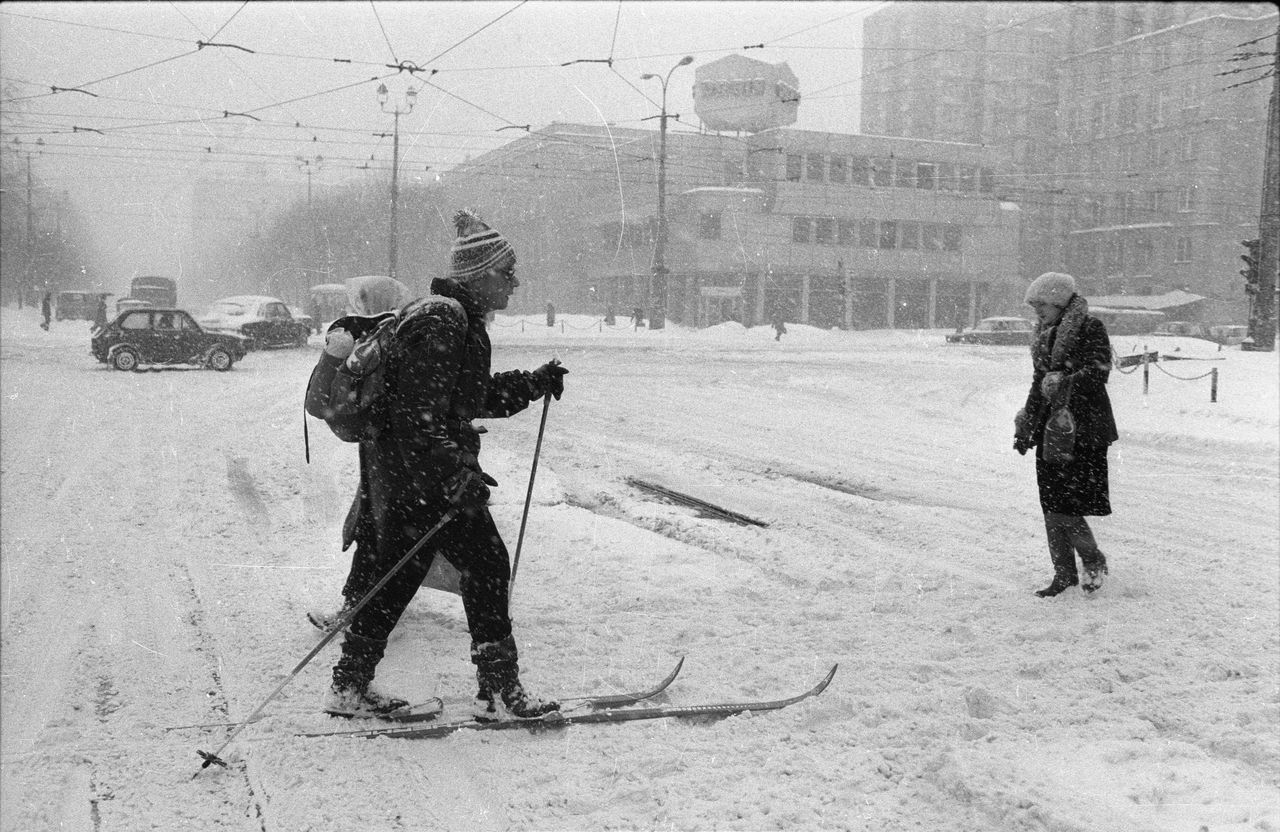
pixel 163 536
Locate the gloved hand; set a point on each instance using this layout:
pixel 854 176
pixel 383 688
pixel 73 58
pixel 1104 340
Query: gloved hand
pixel 550 378
pixel 1021 433
pixel 468 488
pixel 1050 384
pixel 339 343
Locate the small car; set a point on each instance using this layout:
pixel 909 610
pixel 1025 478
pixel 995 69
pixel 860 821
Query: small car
pixel 163 336
pixel 1185 329
pixel 999 331
pixel 1229 334
pixel 263 321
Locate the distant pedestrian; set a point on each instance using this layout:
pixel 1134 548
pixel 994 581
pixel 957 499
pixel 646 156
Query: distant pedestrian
pixel 637 317
pixel 1071 358
pixel 46 310
pixel 778 322
pixel 100 315
pixel 551 314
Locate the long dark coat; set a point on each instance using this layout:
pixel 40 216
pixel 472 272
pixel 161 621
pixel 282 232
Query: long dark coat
pixel 1077 346
pixel 438 380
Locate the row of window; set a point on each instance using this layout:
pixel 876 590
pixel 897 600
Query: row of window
pixel 869 233
pixel 1133 112
pixel 1116 255
pixel 888 172
pixel 1126 207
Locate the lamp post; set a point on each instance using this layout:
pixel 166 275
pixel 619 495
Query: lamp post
pixel 658 286
pixel 410 98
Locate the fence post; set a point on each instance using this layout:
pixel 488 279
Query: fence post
pixel 1146 369
pixel 1213 385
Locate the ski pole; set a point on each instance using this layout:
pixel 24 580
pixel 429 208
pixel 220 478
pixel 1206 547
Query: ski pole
pixel 528 497
pixel 339 626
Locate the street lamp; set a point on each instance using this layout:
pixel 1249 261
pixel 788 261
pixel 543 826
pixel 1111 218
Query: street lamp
pixel 410 98
pixel 658 288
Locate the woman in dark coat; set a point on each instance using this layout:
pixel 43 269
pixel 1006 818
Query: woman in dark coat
pixel 1071 357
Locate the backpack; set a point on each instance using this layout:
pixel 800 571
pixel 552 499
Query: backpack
pixel 346 396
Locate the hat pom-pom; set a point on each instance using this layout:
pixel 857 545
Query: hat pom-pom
pixel 466 219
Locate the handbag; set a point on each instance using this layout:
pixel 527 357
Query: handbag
pixel 1058 444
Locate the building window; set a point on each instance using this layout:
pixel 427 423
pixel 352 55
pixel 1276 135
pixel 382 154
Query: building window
pixel 1187 148
pixel 904 174
pixel 1186 198
pixel 931 236
pixel 968 180
pixel 946 176
pixel 881 172
pixel 888 233
pixel 951 235
pixel 800 229
pixel 986 180
pixel 910 235
pixel 926 176
pixel 846 233
pixel 1182 254
pixel 709 225
pixel 732 172
pixel 838 170
pixel 794 162
pixel 813 166
pixel 860 170
pixel 824 231
pixel 868 236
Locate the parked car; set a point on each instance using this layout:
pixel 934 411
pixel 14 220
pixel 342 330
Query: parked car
pixel 78 306
pixel 1000 331
pixel 303 318
pixel 163 336
pixel 1229 334
pixel 1185 329
pixel 263 321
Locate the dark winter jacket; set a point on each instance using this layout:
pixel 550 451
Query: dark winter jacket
pixel 1077 346
pixel 438 381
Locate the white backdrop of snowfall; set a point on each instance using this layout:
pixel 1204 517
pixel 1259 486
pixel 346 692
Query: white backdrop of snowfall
pixel 162 536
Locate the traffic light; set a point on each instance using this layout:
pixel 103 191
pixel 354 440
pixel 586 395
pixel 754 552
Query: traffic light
pixel 1250 270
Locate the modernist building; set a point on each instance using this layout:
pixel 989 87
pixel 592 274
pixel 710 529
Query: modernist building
pixel 1113 125
pixel 833 230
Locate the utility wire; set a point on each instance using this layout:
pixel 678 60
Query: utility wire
pixel 229 19
pixel 378 17
pixel 476 32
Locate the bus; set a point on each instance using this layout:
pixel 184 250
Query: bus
pixel 1127 321
pixel 157 291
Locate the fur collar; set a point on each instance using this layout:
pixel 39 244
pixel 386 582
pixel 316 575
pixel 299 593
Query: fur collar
pixel 1067 330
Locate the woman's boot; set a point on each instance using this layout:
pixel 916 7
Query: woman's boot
pixel 1062 553
pixel 500 695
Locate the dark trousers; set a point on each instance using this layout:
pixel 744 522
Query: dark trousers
pixel 470 541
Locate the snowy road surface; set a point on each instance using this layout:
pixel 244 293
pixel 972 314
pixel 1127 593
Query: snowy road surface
pixel 162 537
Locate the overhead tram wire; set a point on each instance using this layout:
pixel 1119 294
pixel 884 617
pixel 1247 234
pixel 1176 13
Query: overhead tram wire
pixel 432 60
pixel 385 37
pixel 229 19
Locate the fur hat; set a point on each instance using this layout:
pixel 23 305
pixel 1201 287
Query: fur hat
pixel 373 294
pixel 478 247
pixel 1053 288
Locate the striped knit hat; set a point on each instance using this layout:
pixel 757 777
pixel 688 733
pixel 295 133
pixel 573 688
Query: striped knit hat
pixel 478 247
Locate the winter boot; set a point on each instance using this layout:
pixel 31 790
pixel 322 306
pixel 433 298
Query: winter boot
pixel 501 696
pixel 1062 553
pixel 1091 580
pixel 351 695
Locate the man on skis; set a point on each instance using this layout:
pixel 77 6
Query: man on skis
pixel 422 460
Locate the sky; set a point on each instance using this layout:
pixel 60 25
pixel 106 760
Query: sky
pixel 150 97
